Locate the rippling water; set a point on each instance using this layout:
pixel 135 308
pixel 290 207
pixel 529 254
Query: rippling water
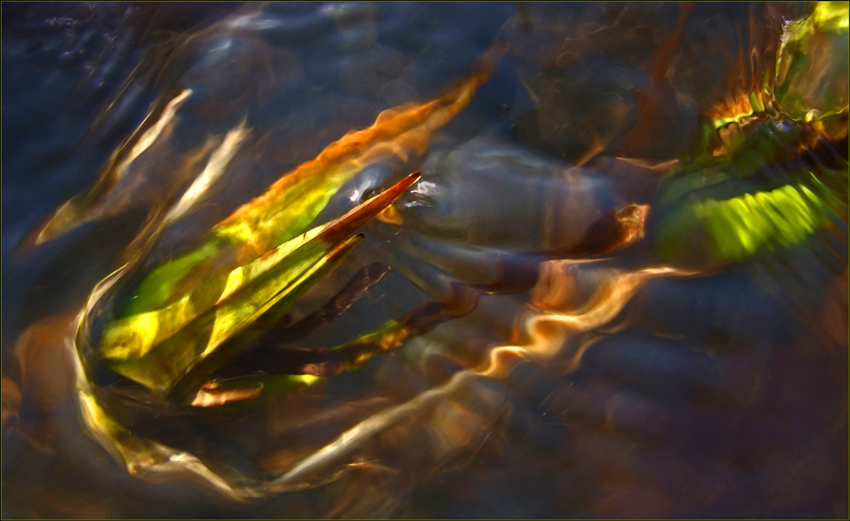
pixel 616 285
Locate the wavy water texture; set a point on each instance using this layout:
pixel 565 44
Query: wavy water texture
pixel 152 344
pixel 358 260
pixel 290 204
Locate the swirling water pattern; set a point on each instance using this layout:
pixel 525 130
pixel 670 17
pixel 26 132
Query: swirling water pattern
pixel 618 289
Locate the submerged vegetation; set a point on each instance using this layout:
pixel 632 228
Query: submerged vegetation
pixel 358 304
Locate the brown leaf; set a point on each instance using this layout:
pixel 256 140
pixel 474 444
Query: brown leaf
pixel 11 400
pixel 46 366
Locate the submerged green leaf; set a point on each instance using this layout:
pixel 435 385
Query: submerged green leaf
pixel 160 347
pixel 812 63
pixel 741 226
pixel 301 204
